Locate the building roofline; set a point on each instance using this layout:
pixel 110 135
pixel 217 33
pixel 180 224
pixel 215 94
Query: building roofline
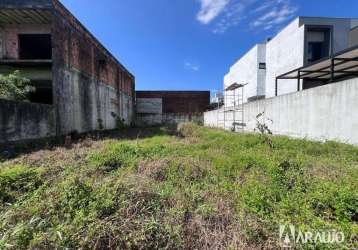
pixel 299 17
pixel 328 17
pixel 94 38
pixel 50 5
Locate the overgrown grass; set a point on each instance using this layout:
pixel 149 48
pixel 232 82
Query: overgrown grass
pixel 201 189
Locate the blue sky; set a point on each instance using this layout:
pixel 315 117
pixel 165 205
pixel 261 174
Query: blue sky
pixel 190 44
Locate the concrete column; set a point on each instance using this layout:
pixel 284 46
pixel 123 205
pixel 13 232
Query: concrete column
pixel 1 44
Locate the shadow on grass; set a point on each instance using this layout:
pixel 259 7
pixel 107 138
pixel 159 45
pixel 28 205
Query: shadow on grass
pixel 12 150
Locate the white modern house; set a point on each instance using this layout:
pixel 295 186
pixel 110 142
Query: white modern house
pixel 305 40
pixel 250 70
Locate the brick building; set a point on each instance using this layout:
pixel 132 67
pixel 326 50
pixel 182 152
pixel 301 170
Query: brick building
pixel 80 86
pixel 157 107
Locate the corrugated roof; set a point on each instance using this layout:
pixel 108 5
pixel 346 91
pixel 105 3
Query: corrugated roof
pixel 25 16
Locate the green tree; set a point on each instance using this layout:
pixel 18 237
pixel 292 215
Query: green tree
pixel 15 87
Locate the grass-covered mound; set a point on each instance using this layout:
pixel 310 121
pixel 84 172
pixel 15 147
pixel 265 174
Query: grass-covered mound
pixel 199 189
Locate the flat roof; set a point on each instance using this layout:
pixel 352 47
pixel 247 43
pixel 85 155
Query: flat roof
pixel 234 86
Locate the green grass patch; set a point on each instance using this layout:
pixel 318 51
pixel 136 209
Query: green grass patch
pixel 204 188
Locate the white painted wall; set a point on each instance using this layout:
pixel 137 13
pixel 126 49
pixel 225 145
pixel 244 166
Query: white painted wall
pixel 286 51
pixel 322 113
pixel 246 70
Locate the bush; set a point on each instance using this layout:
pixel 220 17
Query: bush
pixel 14 87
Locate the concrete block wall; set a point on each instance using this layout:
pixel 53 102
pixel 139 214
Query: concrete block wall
pixel 322 113
pixel 21 121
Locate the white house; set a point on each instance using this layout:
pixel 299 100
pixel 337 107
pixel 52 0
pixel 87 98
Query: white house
pixel 303 41
pixel 250 70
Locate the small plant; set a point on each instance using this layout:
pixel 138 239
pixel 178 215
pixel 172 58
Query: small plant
pixel 263 129
pixel 120 122
pixel 15 87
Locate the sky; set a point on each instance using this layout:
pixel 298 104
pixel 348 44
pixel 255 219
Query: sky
pixel 191 44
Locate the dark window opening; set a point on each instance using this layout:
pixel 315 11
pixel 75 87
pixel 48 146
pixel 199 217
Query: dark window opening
pixel 35 46
pixel 318 44
pixel 262 65
pixel 316 51
pixel 43 92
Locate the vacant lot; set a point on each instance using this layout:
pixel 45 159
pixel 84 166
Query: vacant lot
pixel 198 188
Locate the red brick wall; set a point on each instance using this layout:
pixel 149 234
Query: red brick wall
pixel 180 101
pixel 10 34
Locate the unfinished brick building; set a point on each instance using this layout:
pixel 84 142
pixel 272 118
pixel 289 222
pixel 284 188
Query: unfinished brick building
pixel 80 86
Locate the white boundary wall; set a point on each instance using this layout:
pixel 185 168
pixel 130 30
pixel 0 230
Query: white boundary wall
pixel 324 113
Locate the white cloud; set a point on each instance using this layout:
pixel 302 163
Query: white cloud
pixel 281 12
pixel 192 66
pixel 210 9
pixel 232 16
pixel 259 14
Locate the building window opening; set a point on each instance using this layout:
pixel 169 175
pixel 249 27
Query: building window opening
pixel 43 92
pixel 35 47
pixel 318 45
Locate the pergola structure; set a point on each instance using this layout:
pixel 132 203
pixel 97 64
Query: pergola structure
pixel 341 65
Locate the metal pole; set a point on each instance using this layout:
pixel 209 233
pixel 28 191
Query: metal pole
pixel 276 85
pixel 234 113
pixel 299 81
pixel 332 69
pixel 242 109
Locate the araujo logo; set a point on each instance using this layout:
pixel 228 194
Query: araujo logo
pixel 289 236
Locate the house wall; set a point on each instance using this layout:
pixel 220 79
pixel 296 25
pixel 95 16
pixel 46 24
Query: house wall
pixel 284 53
pixel 21 120
pixel 287 50
pixel 322 113
pixel 246 71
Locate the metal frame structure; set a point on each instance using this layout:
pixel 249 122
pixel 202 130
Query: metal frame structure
pixel 339 66
pixel 232 117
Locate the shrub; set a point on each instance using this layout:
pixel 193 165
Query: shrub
pixel 14 87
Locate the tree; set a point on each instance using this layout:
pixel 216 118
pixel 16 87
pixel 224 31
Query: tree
pixel 15 87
